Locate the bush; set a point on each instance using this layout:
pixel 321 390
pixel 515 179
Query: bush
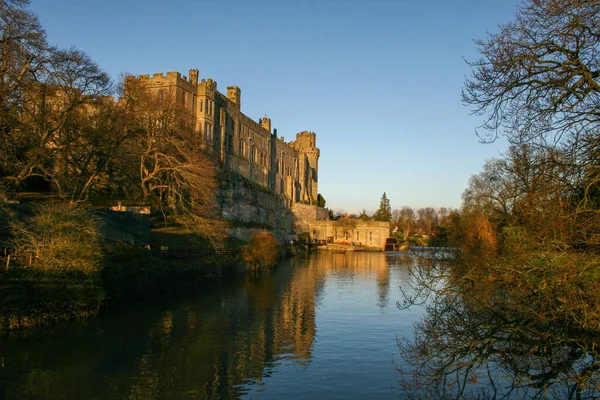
pixel 59 237
pixel 56 270
pixel 261 251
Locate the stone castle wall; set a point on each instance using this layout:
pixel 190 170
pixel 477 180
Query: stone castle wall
pixel 304 213
pixel 250 207
pixel 243 146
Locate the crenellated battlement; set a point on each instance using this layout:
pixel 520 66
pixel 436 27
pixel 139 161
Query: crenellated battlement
pixel 169 79
pixel 208 84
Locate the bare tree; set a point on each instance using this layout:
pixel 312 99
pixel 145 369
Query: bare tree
pixel 406 221
pixel 23 50
pixel 529 190
pixel 537 79
pixel 171 172
pixel 537 83
pixel 62 114
pixel 23 53
pixel 346 225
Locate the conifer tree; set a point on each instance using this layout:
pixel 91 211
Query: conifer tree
pixel 384 213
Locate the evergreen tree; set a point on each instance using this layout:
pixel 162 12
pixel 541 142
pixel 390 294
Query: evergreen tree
pixel 384 213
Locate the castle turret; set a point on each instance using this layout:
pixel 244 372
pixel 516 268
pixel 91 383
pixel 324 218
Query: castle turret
pixel 194 76
pixel 265 123
pixel 306 143
pixel 234 94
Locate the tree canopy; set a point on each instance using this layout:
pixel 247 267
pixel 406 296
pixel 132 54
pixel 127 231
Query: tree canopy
pixel 537 79
pixel 384 212
pixel 537 84
pixel 61 132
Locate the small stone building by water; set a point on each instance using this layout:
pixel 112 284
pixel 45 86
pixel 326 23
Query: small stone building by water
pixel 313 223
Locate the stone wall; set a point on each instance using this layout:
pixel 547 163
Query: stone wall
pixel 250 207
pixel 363 233
pixel 241 144
pixel 129 226
pixel 304 213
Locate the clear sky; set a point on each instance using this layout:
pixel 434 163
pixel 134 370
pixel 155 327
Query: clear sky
pixel 379 81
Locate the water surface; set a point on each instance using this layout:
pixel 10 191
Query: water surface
pixel 321 326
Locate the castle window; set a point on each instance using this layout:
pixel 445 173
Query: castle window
pixel 357 236
pixel 201 105
pixel 183 98
pixel 211 108
pixel 208 134
pixel 242 148
pixel 370 237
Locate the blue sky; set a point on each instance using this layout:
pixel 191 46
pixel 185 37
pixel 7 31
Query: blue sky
pixel 379 81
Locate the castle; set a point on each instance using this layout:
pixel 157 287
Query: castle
pixel 240 144
pixel 264 181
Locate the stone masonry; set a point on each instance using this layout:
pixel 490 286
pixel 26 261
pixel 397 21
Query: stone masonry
pixel 262 176
pixel 242 145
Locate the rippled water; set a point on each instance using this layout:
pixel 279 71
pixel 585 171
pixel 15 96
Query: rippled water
pixel 321 326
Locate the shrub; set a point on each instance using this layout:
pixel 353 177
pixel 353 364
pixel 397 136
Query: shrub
pixel 261 251
pixel 59 237
pixel 56 273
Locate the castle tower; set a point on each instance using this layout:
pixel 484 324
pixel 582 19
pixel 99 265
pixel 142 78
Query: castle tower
pixel 306 143
pixel 265 123
pixel 234 94
pixel 194 77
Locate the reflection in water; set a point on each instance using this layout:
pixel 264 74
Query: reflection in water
pixel 504 332
pixel 250 336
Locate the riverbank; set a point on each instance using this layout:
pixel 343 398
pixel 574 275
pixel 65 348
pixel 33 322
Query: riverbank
pixel 33 296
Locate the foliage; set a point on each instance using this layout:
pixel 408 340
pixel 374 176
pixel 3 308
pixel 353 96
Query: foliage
pixel 47 131
pixel 58 237
pixel 60 132
pixel 320 201
pixel 261 251
pixel 330 214
pixel 54 273
pixel 418 240
pixel 384 212
pixel 522 327
pixel 428 219
pixel 364 216
pixel 537 83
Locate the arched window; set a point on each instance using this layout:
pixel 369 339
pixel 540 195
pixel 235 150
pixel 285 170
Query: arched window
pixel 242 148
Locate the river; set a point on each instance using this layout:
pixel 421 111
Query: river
pixel 319 326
